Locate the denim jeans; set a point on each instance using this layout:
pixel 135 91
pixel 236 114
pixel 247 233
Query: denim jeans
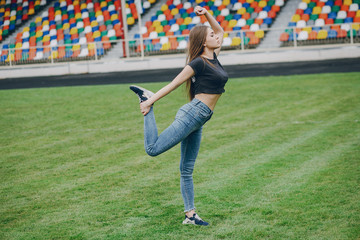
pixel 186 129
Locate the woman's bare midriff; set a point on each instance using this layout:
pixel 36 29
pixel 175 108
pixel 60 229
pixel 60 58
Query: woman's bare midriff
pixel 209 99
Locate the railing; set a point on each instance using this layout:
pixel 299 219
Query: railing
pixel 243 40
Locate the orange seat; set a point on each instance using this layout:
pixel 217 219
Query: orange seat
pixel 312 35
pixel 246 16
pixel 335 27
pixel 357 19
pixel 344 8
pixel 299 11
pixel 180 21
pixel 271 14
pixel 166 28
pixel 155 41
pixel 323 16
pixel 228 29
pixel 275 8
pixel 254 4
pixel 305 17
pixel 224 24
pixel 246 27
pixel 169 33
pixel 320 4
pixel 259 21
pixel 186 32
pixel 220 18
pixel 76 53
pixel 92 52
pixel 342 33
pixel 254 40
pixel 250 34
pixel 284 37
pixel 221 7
pixel 329 21
pixel 32 53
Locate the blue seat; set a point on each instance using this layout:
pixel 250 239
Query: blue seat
pixel 332 15
pixel 308 11
pixel 292 24
pixel 177 33
pixel 316 29
pixel 100 51
pixel 75 40
pixel 268 21
pixel 192 15
pixel 267 8
pixel 182 11
pixel 172 21
pixel 157 47
pixel 213 8
pixel 291 36
pixel 236 28
pixel 137 36
pixel 95 28
pixel 332 34
pixel 190 26
pixel 202 4
pixel 116 21
pixel 153 18
pixel 171 7
pixel 68 53
pixel 237 16
pixel 246 5
pixel 348 20
pixel 329 3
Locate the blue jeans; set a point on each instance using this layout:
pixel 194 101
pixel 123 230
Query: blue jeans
pixel 186 129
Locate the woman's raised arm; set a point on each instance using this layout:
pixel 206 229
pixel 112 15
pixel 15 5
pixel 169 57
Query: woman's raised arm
pixel 185 74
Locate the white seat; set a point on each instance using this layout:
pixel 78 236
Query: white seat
pixel 80 24
pixel 241 22
pixel 175 27
pixel 153 35
pixel 53 43
pixel 53 32
pixel 111 8
pixel 45 28
pixel 88 29
pixel 176 2
pixel 82 40
pixel 345 27
pixel 84 52
pixel 70 7
pixel 303 35
pixel 143 30
pixel 128 11
pixel 301 24
pixel 218 3
pixel 43 3
pixel 196 20
pixel 57 18
pixel 39 55
pixel 161 17
pixel 146 5
pixel 111 33
pixel 25 4
pixel 237 6
pixel 341 15
pixel 319 22
pixel 6 22
pixel 44 14
pixel 25 35
pixel 326 9
pixel 279 3
pixel 90 5
pixel 354 7
pixel 182 44
pixel 254 27
pixel 302 5
pixel 226 42
pixel 25 45
pixel 164 40
pixel 323 0
pixel 83 15
pixel 63 4
pixel 263 15
pixel 225 12
pixel 187 5
pixel 100 18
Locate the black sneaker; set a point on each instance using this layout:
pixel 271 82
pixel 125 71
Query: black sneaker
pixel 195 220
pixel 142 93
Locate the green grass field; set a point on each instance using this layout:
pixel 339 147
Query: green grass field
pixel 280 159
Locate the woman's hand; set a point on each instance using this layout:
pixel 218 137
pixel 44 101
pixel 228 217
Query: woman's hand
pixel 200 11
pixel 145 107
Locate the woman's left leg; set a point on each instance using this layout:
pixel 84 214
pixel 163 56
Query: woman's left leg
pixel 189 150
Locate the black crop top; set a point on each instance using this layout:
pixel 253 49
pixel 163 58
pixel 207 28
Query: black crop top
pixel 208 79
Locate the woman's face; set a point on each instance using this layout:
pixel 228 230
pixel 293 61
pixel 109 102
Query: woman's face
pixel 212 40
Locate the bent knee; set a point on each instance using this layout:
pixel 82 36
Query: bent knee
pixel 151 152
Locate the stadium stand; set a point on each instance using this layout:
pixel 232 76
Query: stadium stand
pixel 15 12
pixel 327 20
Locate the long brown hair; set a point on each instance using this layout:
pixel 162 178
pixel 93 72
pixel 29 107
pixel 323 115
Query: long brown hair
pixel 197 39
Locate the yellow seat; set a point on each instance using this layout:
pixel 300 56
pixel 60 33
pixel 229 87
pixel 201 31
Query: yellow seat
pixel 159 29
pixel 241 11
pixel 165 46
pixel 18 45
pixel 78 16
pixel 130 21
pixel 307 29
pixel 94 23
pixel 46 38
pixel 31 11
pixel 114 17
pixel 262 4
pixel 11 56
pixel 164 7
pixel 316 10
pixel 322 34
pixel 358 13
pixel 58 12
pixel 46 22
pixel 226 35
pixel 38 19
pixel 356 26
pixel 66 26
pixel 98 13
pixel 37 2
pixel 96 34
pixel 249 1
pixel 91 46
pixel 13 18
pixel 26 29
pixel 232 23
pixel 174 11
pixel 76 47
pixel 156 23
pixel 226 2
pixel 83 6
pixel 347 2
pixel 127 5
pixel 295 18
pixel 103 4
pixel 259 34
pixel 39 34
pixel 211 12
pixel 199 1
pixel 306 1
pixel 236 41
pixel 74 30
pixel 152 1
pixel 187 20
pixel 55 54
pixel 76 2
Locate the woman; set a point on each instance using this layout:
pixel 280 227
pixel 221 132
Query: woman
pixel 205 80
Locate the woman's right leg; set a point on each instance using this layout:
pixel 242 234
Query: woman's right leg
pixel 182 126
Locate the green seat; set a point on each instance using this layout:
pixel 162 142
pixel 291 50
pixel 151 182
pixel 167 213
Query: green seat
pixel 182 27
pixel 91 14
pixel 104 33
pixel 210 3
pixel 180 39
pixel 58 26
pixel 159 12
pixel 250 21
pixel 335 8
pixel 129 15
pixel 32 34
pixel 5 32
pixel 63 12
pixel 229 17
pixel 161 34
pixel 71 16
pixel 39 39
pixel 149 48
pixel 250 10
pixel 217 13
pixel 353 33
pixel 132 43
pixel 337 21
pixel 67 41
pixel 271 3
pixel 80 30
pixel 314 17
pixel 163 23
pixel 289 31
pixel 33 25
pixel 246 40
pixel 107 22
pixel 68 48
pixel 184 15
pixel 311 4
pixel 356 1
pixel 112 38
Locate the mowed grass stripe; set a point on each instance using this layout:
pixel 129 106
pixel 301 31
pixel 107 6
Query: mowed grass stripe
pixel 94 190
